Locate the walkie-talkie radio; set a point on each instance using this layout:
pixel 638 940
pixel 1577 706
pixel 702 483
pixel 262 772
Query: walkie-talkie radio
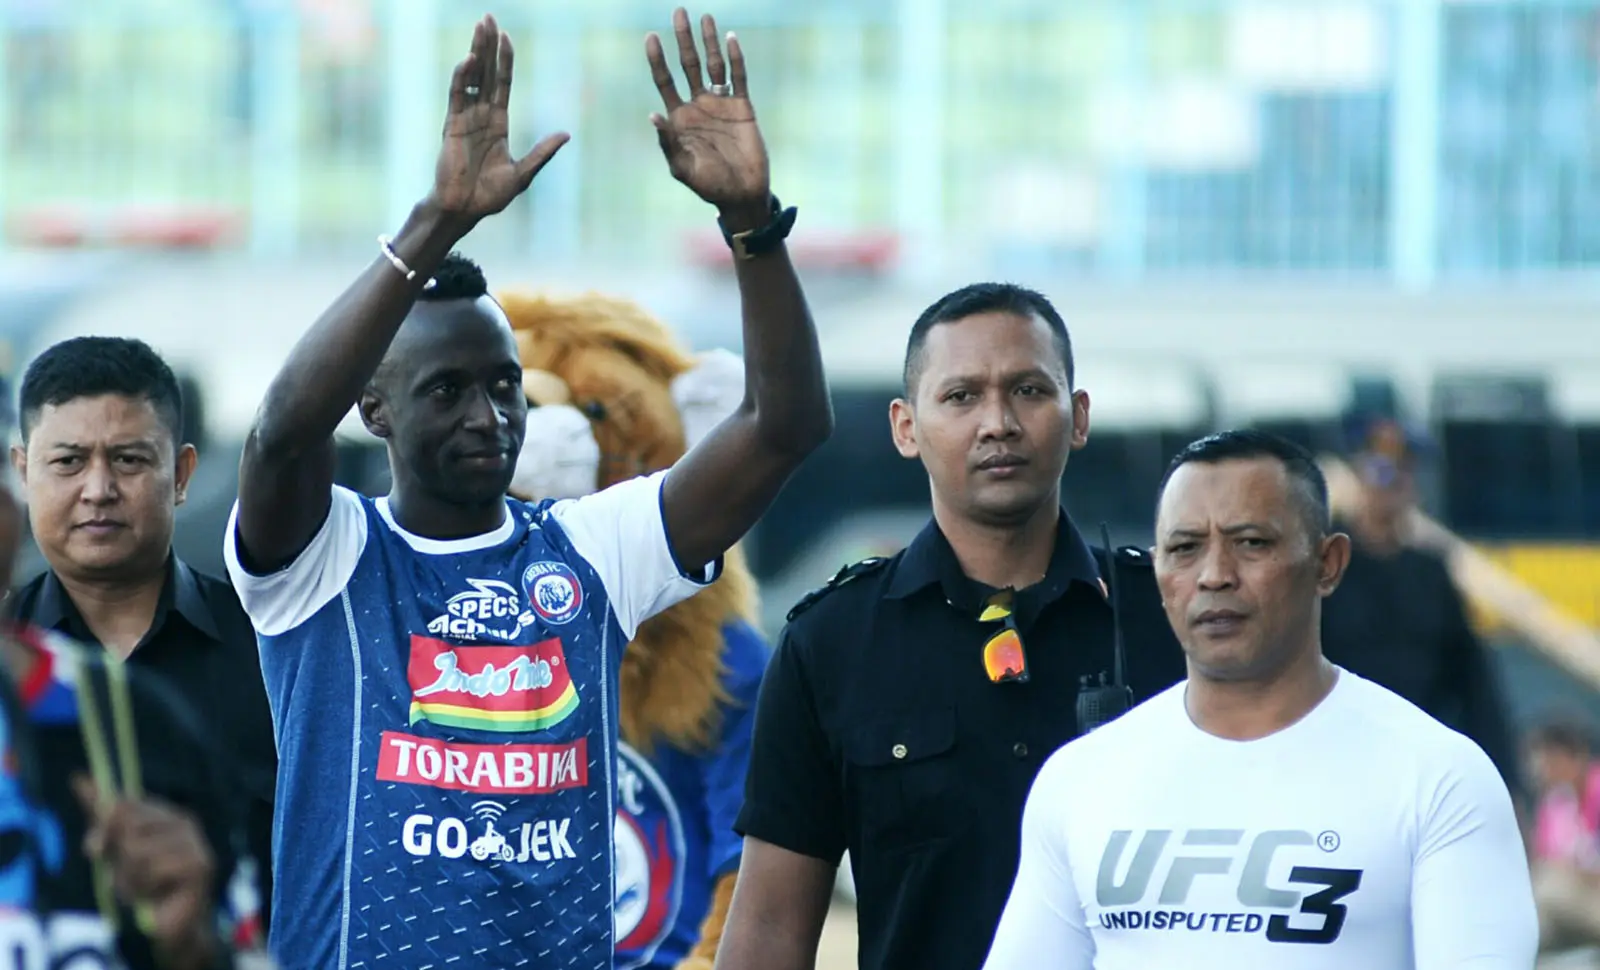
pixel 1100 704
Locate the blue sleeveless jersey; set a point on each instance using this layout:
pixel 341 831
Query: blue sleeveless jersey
pixel 446 718
pixel 675 816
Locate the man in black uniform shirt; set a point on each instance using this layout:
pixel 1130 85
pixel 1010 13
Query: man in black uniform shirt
pixel 105 467
pixel 1397 618
pixel 134 834
pixel 910 702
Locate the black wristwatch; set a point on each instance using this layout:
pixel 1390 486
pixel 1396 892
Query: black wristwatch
pixel 753 242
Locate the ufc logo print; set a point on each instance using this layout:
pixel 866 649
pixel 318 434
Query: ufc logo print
pixel 1250 888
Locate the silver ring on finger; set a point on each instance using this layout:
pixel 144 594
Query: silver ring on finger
pixel 722 90
pixel 472 90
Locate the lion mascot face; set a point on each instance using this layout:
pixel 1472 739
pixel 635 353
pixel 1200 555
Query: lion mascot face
pixel 612 395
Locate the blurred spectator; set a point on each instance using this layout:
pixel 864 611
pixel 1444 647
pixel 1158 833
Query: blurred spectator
pixel 31 858
pixel 1566 836
pixel 156 874
pixel 1397 617
pixel 105 465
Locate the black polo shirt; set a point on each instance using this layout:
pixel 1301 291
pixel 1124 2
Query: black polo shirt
pixel 878 732
pixel 202 645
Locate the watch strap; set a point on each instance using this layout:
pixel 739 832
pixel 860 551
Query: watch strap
pixel 753 242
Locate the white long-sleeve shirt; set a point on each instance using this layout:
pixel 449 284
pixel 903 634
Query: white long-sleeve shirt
pixel 1365 835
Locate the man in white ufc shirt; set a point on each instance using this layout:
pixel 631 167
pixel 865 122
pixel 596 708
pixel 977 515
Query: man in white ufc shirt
pixel 1273 810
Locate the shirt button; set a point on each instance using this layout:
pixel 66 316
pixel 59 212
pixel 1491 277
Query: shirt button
pixel 899 751
pixel 1019 749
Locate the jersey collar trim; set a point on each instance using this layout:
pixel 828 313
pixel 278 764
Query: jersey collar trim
pixel 445 547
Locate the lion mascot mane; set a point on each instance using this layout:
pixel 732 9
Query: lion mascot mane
pixel 613 396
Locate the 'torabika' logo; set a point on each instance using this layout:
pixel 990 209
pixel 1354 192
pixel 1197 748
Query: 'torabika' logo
pixel 1248 870
pixel 490 688
pixel 501 769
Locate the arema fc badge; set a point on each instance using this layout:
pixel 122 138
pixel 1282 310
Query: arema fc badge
pixel 554 590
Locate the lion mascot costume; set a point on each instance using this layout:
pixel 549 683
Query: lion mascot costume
pixel 613 396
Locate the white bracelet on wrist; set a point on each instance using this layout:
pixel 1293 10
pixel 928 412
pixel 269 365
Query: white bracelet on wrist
pixel 386 245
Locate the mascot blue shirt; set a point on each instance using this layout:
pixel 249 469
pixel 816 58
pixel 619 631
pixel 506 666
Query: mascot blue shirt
pixel 610 391
pixel 674 826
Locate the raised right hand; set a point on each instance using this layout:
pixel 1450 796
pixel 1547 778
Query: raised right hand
pixel 476 175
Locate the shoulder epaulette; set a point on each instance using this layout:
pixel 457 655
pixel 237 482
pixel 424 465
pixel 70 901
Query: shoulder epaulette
pixel 1124 556
pixel 841 578
pixel 1133 554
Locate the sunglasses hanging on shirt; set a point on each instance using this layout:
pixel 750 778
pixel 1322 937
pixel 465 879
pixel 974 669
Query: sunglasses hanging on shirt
pixel 1004 660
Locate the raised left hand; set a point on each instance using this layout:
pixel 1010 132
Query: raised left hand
pixel 476 175
pixel 711 141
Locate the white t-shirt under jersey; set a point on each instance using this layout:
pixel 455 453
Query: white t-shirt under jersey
pixel 1366 836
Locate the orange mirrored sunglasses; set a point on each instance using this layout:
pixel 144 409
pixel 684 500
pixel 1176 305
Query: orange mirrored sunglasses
pixel 1003 657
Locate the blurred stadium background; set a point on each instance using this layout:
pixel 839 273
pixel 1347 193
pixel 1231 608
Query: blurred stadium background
pixel 1265 213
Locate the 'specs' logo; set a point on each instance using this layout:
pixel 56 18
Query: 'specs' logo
pixel 491 607
pixel 490 688
pixel 554 591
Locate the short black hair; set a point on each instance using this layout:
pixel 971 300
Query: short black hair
pixel 976 298
pixel 457 278
pixel 92 366
pixel 1247 443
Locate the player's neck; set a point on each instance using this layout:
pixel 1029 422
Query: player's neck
pixel 424 516
pixel 1250 710
pixel 1015 555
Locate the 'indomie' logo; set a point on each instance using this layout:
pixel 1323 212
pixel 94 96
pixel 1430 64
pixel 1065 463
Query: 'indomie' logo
pixel 490 688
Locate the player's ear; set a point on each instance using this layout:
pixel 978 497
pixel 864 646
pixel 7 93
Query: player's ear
pixel 183 472
pixel 374 412
pixel 1333 557
pixel 1080 419
pixel 903 427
